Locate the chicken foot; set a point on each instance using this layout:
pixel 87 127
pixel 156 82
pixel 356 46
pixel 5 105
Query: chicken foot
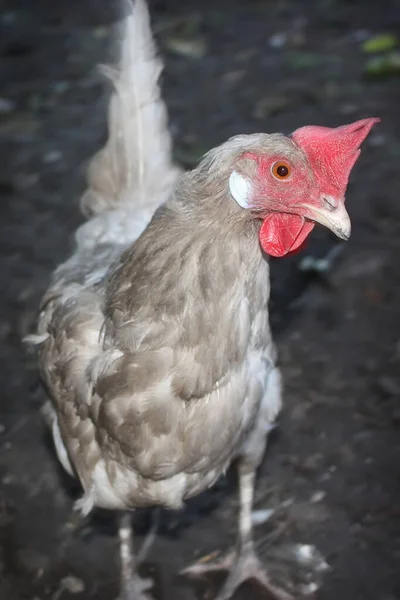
pixel 132 586
pixel 242 564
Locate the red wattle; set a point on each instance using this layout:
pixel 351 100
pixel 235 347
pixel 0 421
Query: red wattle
pixel 282 233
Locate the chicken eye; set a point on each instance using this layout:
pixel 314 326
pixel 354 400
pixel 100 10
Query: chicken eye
pixel 281 170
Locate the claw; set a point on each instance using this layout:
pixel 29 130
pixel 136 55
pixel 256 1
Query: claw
pixel 242 566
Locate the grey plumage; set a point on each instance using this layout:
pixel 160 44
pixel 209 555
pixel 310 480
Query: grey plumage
pixel 156 339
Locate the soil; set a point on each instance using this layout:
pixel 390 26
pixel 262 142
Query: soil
pixel 331 470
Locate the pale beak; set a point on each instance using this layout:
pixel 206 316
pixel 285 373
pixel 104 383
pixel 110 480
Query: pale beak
pixel 334 216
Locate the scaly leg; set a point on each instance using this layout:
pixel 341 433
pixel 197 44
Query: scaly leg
pixel 133 587
pixel 242 563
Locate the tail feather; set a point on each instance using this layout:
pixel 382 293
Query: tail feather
pixel 135 166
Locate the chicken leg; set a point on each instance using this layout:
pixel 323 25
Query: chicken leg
pixel 242 563
pixel 132 586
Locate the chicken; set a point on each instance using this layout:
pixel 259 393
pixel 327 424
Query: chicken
pixel 153 337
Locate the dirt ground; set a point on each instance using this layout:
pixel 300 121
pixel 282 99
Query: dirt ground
pixel 332 467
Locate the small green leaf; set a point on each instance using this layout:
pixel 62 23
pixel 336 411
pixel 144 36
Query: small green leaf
pixel 380 43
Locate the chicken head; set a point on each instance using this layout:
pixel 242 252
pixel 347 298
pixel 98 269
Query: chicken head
pixel 302 181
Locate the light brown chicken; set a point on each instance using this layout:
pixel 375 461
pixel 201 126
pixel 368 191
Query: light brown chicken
pixel 154 338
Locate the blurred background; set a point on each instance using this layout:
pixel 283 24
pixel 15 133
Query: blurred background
pixel 240 66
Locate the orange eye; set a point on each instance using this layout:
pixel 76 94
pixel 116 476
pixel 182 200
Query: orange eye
pixel 281 170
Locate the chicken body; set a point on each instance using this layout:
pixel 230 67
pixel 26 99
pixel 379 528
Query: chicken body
pixel 158 371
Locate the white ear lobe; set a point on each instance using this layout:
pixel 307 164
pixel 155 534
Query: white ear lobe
pixel 240 189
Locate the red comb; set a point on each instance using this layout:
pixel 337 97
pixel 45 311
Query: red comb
pixel 333 151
